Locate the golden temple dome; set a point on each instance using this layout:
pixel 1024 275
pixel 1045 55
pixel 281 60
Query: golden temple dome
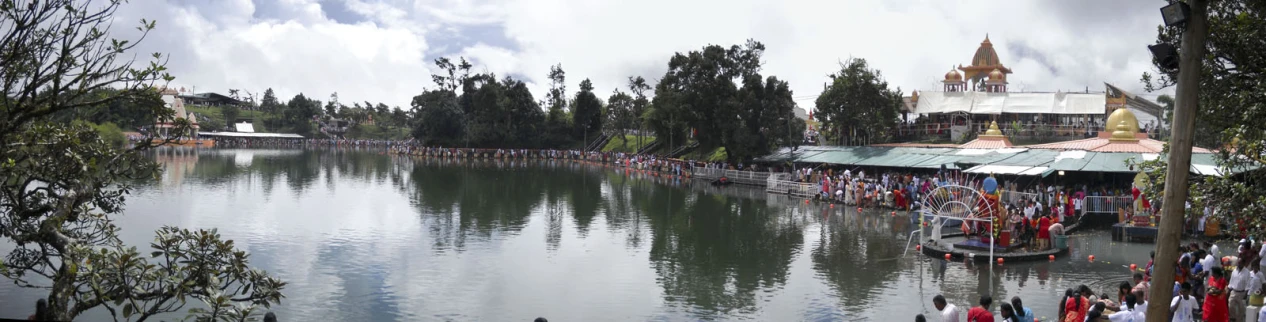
pixel 985 55
pixel 997 75
pixel 1123 133
pixel 993 130
pixel 953 75
pixel 1123 115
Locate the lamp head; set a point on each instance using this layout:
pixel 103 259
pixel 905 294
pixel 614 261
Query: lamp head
pixel 1166 55
pixel 1175 13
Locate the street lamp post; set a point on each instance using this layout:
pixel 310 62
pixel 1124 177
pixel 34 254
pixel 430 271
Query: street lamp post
pixel 1194 15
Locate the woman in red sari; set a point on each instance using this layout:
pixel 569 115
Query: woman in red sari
pixel 1215 306
pixel 1075 307
pixel 1043 232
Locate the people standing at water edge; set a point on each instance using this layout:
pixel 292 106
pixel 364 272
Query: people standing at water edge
pixel 1140 285
pixel 1215 299
pixel 1007 312
pixel 981 313
pixel 1183 306
pixel 1043 232
pixel 1068 293
pixel 949 312
pixel 1255 286
pixel 1056 229
pixel 1075 306
pixel 1022 313
pixel 1238 299
pixel 1129 312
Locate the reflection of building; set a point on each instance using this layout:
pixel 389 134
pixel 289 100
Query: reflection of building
pixel 176 163
pixel 973 96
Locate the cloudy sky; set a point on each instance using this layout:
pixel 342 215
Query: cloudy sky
pixel 382 50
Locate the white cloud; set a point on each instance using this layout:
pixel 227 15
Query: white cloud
pixel 383 49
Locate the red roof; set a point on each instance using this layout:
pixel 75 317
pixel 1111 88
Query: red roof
pixel 984 142
pixel 1101 144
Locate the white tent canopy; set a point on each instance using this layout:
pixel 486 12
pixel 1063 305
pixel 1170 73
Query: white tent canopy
pixel 998 103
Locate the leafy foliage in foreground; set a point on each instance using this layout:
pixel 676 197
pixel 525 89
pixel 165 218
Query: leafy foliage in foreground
pixel 61 183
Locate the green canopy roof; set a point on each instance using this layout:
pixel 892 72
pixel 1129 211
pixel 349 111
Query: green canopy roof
pixel 1040 161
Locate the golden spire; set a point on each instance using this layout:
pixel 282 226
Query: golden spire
pixel 1123 133
pixel 993 130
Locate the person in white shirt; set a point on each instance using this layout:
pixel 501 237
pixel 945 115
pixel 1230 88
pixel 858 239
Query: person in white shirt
pixel 949 312
pixel 1077 206
pixel 1239 290
pixel 1213 249
pixel 1210 259
pixel 1184 305
pixel 1261 254
pixel 1029 210
pixel 1129 312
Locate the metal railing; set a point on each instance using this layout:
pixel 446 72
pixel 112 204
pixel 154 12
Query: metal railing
pixel 793 188
pixel 736 176
pixel 1015 196
pixel 1106 204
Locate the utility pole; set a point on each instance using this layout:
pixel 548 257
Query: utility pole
pixel 1175 194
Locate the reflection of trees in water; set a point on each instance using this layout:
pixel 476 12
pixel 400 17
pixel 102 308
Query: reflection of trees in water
pixel 621 212
pixel 856 254
pixel 712 252
pixel 299 169
pixel 461 199
pixel 477 199
pixel 716 253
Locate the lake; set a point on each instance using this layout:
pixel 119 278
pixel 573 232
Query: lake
pixel 363 236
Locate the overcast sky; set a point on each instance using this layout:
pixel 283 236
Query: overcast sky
pixel 382 50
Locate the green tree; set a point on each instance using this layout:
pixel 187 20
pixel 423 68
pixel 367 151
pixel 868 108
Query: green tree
pixel 63 183
pixel 1168 103
pixel 269 103
pixel 399 117
pixel 332 107
pixel 857 107
pixel 586 113
pixel 641 104
pixel 557 122
pixel 698 96
pixel 440 121
pixel 1229 116
pixel 126 112
pixel 299 113
pixel 523 116
pixel 767 116
pixel 620 118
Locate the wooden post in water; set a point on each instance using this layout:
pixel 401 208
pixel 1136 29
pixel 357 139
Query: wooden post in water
pixel 1179 162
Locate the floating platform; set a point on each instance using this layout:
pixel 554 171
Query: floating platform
pixel 977 245
pixel 981 252
pixel 1127 232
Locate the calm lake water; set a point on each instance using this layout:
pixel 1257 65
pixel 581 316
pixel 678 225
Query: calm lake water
pixel 362 236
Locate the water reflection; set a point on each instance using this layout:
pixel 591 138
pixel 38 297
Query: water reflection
pixel 363 236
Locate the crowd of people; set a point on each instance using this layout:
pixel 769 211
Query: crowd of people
pixel 1206 288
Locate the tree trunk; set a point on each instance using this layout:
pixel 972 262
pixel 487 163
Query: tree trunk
pixel 1179 163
